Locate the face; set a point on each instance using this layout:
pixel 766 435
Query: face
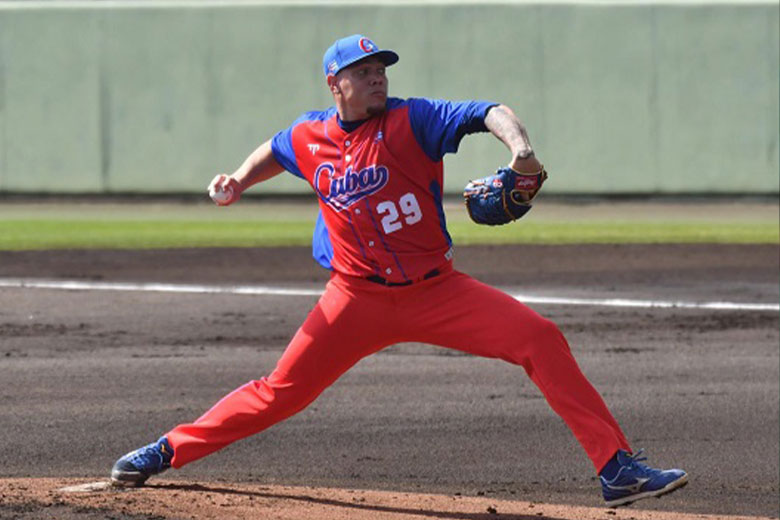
pixel 360 90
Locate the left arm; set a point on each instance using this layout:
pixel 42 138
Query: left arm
pixel 504 124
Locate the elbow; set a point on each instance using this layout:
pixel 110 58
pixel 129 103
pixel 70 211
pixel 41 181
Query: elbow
pixel 501 109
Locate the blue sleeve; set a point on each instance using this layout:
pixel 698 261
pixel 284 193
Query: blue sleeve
pixel 439 125
pixel 282 145
pixel 282 148
pixel 321 248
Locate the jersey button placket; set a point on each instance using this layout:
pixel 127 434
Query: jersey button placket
pixel 358 223
pixel 365 226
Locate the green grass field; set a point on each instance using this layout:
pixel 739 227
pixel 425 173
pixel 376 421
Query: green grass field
pixel 133 226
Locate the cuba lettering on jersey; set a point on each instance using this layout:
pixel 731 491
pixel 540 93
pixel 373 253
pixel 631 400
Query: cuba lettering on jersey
pixel 380 184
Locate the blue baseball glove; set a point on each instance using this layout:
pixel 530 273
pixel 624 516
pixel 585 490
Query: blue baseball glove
pixel 503 197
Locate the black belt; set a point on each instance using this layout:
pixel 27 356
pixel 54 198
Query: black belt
pixel 383 281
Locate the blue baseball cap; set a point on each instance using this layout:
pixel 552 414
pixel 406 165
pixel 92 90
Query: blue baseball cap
pixel 349 50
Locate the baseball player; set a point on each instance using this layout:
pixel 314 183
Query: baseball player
pixel 375 163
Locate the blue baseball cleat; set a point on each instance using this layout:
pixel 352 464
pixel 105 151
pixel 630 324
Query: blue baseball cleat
pixel 635 481
pixel 134 468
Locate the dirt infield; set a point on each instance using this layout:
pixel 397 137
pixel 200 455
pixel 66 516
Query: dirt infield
pixel 66 499
pixel 412 432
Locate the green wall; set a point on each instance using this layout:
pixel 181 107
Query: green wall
pixel 142 97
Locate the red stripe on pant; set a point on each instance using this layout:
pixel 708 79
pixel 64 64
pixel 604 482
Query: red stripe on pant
pixel 355 318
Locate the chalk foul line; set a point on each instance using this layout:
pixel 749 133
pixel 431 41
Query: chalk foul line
pixel 260 290
pixel 648 304
pixel 77 285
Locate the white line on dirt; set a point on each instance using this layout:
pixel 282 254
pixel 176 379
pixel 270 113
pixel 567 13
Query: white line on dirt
pixel 89 487
pixel 259 290
pixel 74 285
pixel 648 304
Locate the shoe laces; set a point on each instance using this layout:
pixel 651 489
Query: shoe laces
pixel 635 463
pixel 147 455
pixel 635 457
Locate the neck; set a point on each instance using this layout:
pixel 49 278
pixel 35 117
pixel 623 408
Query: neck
pixel 351 115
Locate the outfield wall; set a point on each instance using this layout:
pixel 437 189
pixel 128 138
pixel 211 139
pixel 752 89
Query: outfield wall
pixel 617 97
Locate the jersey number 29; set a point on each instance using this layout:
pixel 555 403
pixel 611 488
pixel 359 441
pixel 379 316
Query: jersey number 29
pixel 409 207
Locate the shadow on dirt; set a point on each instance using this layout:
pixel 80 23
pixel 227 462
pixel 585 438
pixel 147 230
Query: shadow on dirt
pixel 491 514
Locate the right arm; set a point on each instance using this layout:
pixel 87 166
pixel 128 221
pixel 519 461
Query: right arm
pixel 258 167
pixel 504 124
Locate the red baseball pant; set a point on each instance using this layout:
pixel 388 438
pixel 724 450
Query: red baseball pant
pixel 356 317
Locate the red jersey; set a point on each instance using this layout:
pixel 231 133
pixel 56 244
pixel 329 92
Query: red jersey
pixel 380 184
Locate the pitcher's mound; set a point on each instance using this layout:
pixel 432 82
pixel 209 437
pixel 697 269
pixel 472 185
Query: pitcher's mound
pixel 34 499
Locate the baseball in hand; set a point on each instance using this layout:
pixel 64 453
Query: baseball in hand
pixel 220 196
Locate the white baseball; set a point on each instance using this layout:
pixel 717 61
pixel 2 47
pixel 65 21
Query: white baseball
pixel 220 196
